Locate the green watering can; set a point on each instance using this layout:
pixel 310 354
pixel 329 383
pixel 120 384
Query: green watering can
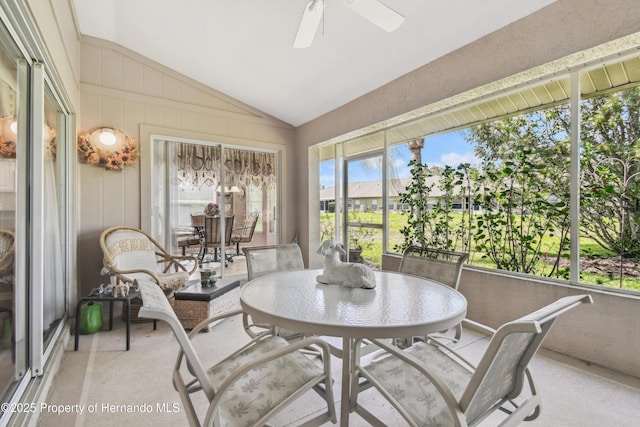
pixel 90 317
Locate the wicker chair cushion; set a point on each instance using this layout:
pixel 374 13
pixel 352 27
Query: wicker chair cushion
pixel 417 395
pixel 132 250
pixel 284 377
pixel 174 280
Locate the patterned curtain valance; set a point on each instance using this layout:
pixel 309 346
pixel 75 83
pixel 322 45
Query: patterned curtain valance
pixel 201 165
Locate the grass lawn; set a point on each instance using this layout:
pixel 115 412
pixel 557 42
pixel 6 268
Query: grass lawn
pixel 372 248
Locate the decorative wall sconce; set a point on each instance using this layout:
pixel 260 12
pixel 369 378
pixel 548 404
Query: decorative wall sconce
pixel 107 136
pixel 9 135
pixel 107 147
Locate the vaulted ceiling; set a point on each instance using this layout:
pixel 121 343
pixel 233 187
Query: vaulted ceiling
pixel 243 48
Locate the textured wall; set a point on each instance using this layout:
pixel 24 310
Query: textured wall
pixel 603 333
pixel 124 90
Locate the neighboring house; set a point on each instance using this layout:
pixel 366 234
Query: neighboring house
pixel 366 196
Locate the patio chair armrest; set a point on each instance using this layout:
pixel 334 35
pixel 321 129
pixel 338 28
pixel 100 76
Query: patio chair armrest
pixel 248 324
pixel 205 323
pixel 202 325
pixel 479 327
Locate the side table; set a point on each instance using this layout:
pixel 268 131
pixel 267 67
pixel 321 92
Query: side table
pixel 126 300
pixel 193 303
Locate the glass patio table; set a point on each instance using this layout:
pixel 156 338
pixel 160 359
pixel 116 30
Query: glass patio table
pixel 400 306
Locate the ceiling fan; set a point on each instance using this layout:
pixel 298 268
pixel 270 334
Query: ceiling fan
pixel 372 10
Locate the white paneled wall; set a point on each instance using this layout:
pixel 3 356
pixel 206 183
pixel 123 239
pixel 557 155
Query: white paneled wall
pixel 121 89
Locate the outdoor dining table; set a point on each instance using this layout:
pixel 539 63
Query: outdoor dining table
pixel 399 306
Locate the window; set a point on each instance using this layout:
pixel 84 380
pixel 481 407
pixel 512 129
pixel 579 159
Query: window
pixel 494 177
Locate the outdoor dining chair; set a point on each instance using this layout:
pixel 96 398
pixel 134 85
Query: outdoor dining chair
pixel 245 232
pixel 212 238
pixel 191 235
pixel 431 384
pixel 436 264
pixel 263 260
pixel 129 254
pixel 249 386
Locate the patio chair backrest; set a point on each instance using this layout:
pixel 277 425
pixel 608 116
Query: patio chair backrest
pixel 249 227
pixel 213 230
pixel 197 220
pixel 500 375
pixel 263 260
pixel 436 264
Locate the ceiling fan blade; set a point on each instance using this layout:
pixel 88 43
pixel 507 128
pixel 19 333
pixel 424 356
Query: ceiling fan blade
pixel 309 24
pixel 377 13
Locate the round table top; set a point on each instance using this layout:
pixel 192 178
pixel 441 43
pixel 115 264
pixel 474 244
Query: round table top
pixel 400 305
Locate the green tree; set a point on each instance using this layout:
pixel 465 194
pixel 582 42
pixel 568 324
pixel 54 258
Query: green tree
pixel 518 212
pixel 430 220
pixel 610 202
pixel 522 189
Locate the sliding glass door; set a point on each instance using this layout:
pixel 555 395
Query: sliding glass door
pixel 196 178
pixel 13 348
pixel 36 217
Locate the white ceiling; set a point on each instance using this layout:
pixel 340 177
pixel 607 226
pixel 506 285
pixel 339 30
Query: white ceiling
pixel 243 48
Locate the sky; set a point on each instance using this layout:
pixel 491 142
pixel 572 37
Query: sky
pixel 446 149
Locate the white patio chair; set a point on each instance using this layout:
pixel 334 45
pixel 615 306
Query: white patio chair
pixel 435 264
pixel 130 253
pixel 430 384
pixel 249 386
pixel 262 260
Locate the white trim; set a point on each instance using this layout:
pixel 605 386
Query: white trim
pixel 574 180
pixel 36 213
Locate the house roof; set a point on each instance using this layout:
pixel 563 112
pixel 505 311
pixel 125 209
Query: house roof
pixel 373 189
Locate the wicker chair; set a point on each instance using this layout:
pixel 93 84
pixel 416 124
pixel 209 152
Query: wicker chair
pixel 253 383
pixel 130 253
pixel 430 384
pixel 435 264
